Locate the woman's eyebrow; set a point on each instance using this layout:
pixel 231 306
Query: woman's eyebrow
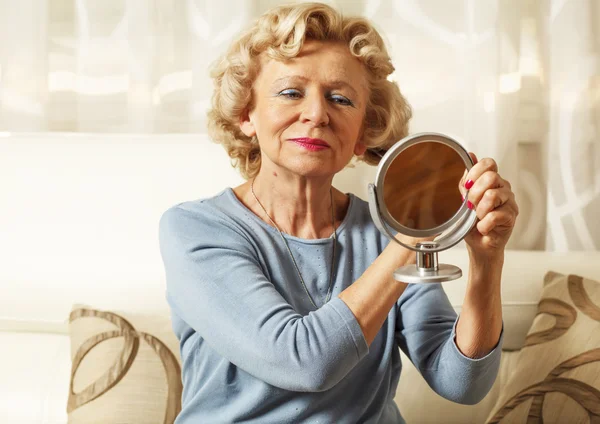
pixel 331 84
pixel 341 83
pixel 290 78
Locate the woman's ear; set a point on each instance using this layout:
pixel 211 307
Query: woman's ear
pixel 360 148
pixel 246 124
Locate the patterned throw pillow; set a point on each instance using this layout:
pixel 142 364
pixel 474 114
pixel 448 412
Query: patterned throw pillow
pixel 124 368
pixel 556 378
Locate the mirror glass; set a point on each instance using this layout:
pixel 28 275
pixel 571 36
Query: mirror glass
pixel 421 185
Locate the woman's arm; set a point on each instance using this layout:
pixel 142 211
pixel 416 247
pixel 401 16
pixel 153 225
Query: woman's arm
pixel 426 330
pixel 372 296
pixel 480 323
pixel 460 358
pixel 492 199
pixel 215 284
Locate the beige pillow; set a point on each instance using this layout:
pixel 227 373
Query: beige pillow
pixel 125 368
pixel 556 378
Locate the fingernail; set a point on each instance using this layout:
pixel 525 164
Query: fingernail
pixel 469 184
pixel 462 197
pixel 470 205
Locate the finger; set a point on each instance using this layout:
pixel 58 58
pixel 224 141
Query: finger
pixel 503 185
pixel 461 183
pixel 493 199
pixel 473 157
pixel 480 168
pixel 486 181
pixel 501 219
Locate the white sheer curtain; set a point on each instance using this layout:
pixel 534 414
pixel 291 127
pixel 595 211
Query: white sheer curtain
pixel 516 80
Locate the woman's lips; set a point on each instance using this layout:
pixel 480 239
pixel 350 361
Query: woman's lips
pixel 313 144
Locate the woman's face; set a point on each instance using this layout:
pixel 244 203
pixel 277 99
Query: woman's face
pixel 318 97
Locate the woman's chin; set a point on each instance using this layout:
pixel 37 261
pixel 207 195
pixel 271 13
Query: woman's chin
pixel 324 169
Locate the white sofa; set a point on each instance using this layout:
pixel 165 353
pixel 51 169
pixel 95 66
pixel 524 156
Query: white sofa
pixel 79 223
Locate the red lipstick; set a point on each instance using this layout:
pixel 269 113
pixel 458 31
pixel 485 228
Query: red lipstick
pixel 313 144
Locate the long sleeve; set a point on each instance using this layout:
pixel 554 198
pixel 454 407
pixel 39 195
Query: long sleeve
pixel 215 283
pixel 426 330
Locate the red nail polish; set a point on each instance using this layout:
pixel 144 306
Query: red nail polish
pixel 470 205
pixel 462 197
pixel 469 184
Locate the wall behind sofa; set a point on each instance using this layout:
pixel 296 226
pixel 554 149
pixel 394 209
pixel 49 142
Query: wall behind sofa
pixel 517 80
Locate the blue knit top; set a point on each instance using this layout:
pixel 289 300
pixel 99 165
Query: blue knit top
pixel 255 350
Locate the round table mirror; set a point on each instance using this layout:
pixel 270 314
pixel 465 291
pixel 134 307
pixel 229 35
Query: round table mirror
pixel 416 194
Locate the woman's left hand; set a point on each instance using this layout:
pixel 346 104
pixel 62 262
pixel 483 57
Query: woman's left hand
pixel 494 202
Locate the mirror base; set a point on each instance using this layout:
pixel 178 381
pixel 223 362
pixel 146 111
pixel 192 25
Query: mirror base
pixel 413 275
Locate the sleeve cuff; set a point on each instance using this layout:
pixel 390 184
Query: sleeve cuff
pixel 483 360
pixel 338 305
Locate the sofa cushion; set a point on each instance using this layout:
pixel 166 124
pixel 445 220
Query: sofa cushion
pixel 34 370
pixel 557 374
pixel 125 368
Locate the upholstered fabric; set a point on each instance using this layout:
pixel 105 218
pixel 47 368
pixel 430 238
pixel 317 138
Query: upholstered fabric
pixel 125 368
pixel 556 378
pixel 34 377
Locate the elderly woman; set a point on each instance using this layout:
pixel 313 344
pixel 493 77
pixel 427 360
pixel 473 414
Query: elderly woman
pixel 281 289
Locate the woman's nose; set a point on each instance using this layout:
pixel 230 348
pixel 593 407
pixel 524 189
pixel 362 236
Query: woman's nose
pixel 315 110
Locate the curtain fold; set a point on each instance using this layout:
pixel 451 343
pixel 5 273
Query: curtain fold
pixel 517 80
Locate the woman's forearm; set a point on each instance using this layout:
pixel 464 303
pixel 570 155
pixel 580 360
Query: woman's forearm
pixel 480 323
pixel 371 297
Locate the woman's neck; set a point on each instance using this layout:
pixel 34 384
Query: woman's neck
pixel 300 206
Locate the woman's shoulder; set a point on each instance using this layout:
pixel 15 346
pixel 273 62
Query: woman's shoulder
pixel 213 216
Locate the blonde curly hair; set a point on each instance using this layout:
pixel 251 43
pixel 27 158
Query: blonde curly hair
pixel 280 34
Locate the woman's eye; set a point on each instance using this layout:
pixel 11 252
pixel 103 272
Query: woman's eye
pixel 341 100
pixel 290 93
